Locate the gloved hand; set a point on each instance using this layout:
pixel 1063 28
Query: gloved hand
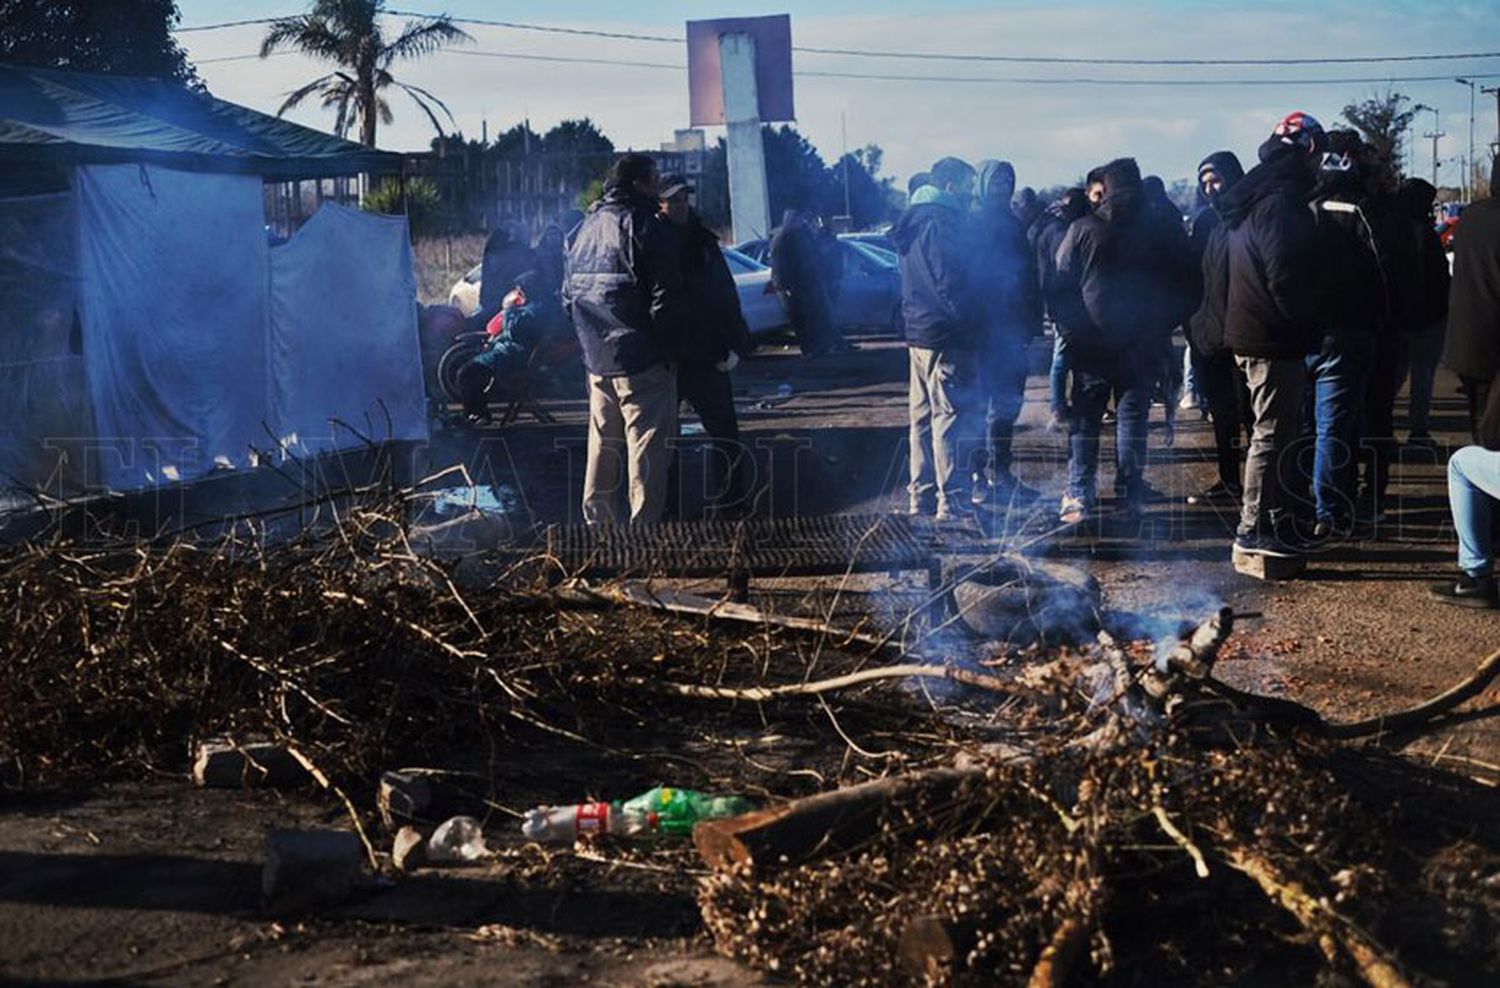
pixel 728 364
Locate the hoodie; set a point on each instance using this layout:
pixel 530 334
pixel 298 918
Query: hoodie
pixel 937 306
pixel 1003 268
pixel 1125 280
pixel 1272 307
pixel 1428 301
pixel 1209 239
pixel 1205 218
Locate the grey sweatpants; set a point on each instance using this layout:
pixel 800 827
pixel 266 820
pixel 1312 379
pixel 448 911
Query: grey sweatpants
pixel 946 424
pixel 1276 403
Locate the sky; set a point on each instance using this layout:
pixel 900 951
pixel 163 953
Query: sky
pixel 1052 133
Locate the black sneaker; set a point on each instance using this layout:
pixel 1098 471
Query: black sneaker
pixel 1219 493
pixel 1256 544
pixel 979 489
pixel 1467 591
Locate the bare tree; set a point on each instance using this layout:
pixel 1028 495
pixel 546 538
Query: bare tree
pixel 1383 120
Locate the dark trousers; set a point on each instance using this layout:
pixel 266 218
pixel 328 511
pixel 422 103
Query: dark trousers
pixel 1378 429
pixel 1477 393
pixel 812 318
pixel 710 392
pixel 1131 380
pixel 1003 378
pixel 1222 386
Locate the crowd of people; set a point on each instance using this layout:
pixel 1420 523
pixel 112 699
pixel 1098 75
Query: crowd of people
pixel 1308 288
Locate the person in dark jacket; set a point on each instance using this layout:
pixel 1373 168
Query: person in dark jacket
pixel 1472 349
pixel 942 335
pixel 1423 319
pixel 1220 382
pixel 506 257
pixel 1273 311
pixel 799 276
pixel 1045 236
pixel 625 295
pixel 1028 208
pixel 716 340
pixel 1008 295
pixel 1356 316
pixel 551 260
pixel 1473 492
pixel 1125 280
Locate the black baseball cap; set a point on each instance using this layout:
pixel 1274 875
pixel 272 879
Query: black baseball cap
pixel 673 184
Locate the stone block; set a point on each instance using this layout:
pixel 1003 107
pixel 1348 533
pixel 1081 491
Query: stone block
pixel 409 849
pixel 403 797
pixel 221 763
pixel 309 869
pixel 1269 568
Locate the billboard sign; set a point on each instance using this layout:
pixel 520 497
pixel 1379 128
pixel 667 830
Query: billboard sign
pixel 773 67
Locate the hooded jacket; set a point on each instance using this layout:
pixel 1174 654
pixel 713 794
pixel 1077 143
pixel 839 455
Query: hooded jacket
pixel 1273 305
pixel 1357 287
pixel 1003 267
pixel 505 259
pixel 1046 235
pixel 1473 345
pixel 1125 280
pixel 937 304
pixel 717 325
pixel 1210 243
pixel 1427 304
pixel 624 289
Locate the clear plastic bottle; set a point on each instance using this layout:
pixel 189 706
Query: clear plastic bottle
pixel 458 839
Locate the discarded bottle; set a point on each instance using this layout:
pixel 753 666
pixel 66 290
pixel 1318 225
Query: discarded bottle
pixel 663 811
pixel 674 812
pixel 566 824
pixel 458 839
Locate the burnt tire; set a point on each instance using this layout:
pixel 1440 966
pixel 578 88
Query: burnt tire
pixel 463 349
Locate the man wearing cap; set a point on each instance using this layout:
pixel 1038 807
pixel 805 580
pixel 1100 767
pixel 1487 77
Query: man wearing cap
pixel 715 339
pixel 1273 312
pixel 624 293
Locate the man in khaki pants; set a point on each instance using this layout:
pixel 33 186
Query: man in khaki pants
pixel 943 338
pixel 624 292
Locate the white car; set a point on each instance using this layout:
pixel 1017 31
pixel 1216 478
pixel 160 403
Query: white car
pixel 759 302
pixel 464 295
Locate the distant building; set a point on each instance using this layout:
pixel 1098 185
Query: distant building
pixel 683 155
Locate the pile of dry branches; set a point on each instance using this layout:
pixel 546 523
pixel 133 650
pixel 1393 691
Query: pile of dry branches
pixel 1109 823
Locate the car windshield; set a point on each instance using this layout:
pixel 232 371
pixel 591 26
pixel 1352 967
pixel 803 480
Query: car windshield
pixel 879 255
pixel 739 263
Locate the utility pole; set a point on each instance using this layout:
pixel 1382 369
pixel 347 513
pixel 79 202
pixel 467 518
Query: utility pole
pixel 844 128
pixel 1495 91
pixel 1435 136
pixel 1469 158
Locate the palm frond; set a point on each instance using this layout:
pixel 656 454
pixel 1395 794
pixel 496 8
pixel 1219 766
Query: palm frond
pixel 384 110
pixel 422 38
pixel 296 96
pixel 422 98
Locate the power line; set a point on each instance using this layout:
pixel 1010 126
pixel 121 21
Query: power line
pixel 915 55
pixel 886 77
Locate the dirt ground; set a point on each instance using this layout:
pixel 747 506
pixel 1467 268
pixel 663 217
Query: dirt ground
pixel 157 883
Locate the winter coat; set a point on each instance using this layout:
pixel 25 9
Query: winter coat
pixel 1210 243
pixel 1003 274
pixel 1273 303
pixel 624 288
pixel 1357 285
pixel 505 259
pixel 797 264
pixel 1428 302
pixel 1045 236
pixel 1473 345
pixel 937 303
pixel 1125 279
pixel 715 323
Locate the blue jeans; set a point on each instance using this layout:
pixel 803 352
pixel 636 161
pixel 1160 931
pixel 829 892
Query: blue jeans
pixel 1003 378
pixel 1057 377
pixel 1091 392
pixel 1335 403
pixel 1473 487
pixel 1424 351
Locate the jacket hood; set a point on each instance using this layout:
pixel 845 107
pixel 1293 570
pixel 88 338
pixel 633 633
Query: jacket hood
pixel 1416 197
pixel 1284 170
pixel 910 224
pixel 1226 165
pixel 623 195
pixel 996 179
pixel 1122 203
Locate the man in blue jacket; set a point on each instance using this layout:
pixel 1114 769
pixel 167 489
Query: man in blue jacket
pixel 942 335
pixel 624 292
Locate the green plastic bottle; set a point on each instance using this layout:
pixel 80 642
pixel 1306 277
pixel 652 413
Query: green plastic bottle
pixel 674 812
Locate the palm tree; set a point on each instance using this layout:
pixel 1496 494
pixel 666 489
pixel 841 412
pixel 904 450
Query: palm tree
pixel 348 33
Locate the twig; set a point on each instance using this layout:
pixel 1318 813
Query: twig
pixel 1170 829
pixel 1425 712
pixel 760 694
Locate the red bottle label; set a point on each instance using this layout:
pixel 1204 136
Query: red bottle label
pixel 592 819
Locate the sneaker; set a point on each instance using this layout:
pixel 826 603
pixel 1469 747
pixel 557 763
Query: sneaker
pixel 478 420
pixel 1255 544
pixel 1218 493
pixel 1057 421
pixel 1072 510
pixel 1109 417
pixel 944 515
pixel 1467 591
pixel 1188 402
pixel 979 489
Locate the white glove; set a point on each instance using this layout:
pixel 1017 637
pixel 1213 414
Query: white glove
pixel 729 363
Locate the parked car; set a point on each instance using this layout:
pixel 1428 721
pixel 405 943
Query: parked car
pixel 464 295
pixel 761 305
pixel 871 239
pixel 870 283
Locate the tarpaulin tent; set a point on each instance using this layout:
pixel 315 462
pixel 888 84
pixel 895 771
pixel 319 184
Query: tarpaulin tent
pixel 149 331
